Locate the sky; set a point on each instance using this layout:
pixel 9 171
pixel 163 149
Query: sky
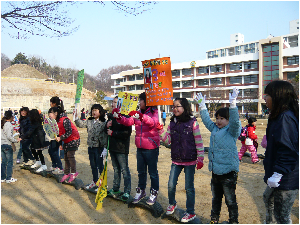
pixel 181 30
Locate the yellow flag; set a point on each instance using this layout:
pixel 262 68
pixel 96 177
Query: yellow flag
pixel 102 190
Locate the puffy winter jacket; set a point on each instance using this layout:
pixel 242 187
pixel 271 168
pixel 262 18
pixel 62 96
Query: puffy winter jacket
pixel 251 133
pixel 223 154
pixel 147 136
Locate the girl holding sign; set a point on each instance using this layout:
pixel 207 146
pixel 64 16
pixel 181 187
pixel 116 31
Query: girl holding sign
pixel 69 134
pixel 147 141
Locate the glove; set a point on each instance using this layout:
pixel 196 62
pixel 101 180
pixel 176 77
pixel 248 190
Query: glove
pixel 116 113
pixel 159 126
pixel 104 153
pixel 199 165
pixel 233 96
pixel 200 100
pixel 136 115
pixel 274 180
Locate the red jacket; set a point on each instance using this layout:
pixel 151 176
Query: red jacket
pixel 251 133
pixel 73 136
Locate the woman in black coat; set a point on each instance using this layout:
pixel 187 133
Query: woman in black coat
pixel 281 161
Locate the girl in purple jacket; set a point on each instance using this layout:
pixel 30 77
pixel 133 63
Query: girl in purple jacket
pixel 147 141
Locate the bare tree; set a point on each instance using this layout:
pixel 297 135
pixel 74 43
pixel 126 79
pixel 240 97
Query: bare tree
pixel 50 18
pixel 5 62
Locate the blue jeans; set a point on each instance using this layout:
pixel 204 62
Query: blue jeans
pixel 27 154
pixel 20 152
pixel 120 164
pixel 96 161
pixel 279 203
pixel 54 154
pixel 224 185
pixel 147 158
pixel 7 162
pixel 189 186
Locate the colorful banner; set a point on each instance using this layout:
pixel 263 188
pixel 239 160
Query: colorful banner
pixel 80 78
pixel 127 102
pixel 158 81
pixel 102 190
pixel 50 127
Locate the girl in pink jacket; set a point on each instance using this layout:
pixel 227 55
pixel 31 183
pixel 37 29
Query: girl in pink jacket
pixel 147 141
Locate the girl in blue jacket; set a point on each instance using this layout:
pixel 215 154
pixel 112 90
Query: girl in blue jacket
pixel 223 155
pixel 281 161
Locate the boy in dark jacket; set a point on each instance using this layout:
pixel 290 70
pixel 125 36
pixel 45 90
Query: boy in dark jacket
pixel 119 140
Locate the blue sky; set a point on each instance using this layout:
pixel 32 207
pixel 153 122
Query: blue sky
pixel 182 30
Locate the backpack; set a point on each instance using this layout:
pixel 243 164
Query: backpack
pixel 243 134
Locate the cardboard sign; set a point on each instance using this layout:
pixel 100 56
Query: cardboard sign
pixel 127 102
pixel 51 127
pixel 158 81
pixel 80 78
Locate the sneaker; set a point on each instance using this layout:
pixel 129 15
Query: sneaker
pixel 73 176
pixel 29 163
pixel 41 169
pixel 113 193
pixel 51 169
pixel 91 185
pixel 256 162
pixel 171 209
pixel 140 194
pixel 65 177
pixel 11 180
pixel 153 196
pixel 36 165
pixel 58 171
pixel 214 221
pixel 187 217
pixel 125 197
pixel 18 161
pixel 3 181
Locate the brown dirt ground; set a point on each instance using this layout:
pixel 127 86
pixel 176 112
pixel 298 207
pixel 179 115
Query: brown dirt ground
pixel 35 199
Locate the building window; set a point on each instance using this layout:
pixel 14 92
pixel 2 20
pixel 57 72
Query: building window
pixel 119 90
pixel 235 80
pixel 237 49
pixel 139 77
pixel 222 52
pixel 186 94
pixel 292 75
pixel 175 73
pixel 250 79
pixel 270 63
pixel 203 82
pixel 118 81
pixel 131 78
pixel 250 93
pixel 187 83
pixel 216 68
pixel 202 70
pixel 293 60
pixel 139 87
pixel 212 54
pixel 176 84
pixel 250 65
pixel 131 88
pixel 216 81
pixel 186 72
pixel 176 95
pixel 235 66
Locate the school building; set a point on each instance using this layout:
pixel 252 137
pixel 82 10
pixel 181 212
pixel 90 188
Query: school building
pixel 248 66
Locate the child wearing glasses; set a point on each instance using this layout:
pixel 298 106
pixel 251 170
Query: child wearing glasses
pixel 187 152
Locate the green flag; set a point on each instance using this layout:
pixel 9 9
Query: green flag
pixel 80 78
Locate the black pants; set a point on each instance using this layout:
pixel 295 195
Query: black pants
pixel 38 155
pixel 224 185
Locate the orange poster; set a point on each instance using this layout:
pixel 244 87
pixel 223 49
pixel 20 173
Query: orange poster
pixel 158 81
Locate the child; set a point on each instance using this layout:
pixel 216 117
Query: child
pixel 82 115
pixel 96 140
pixel 53 151
pixel 119 141
pixel 6 148
pixel 251 134
pixel 223 155
pixel 186 151
pixel 281 161
pixel 147 142
pixel 164 117
pixel 37 133
pixel 69 134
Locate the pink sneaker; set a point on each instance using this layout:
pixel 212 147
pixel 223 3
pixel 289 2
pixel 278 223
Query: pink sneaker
pixel 72 177
pixel 64 177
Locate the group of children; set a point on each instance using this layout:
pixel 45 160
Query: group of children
pixel 187 152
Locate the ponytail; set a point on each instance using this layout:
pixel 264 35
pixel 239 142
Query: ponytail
pixel 57 110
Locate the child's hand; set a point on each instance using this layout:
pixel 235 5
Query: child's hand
pixel 116 113
pixel 136 115
pixel 109 132
pixel 200 100
pixel 61 147
pixel 199 165
pixel 109 123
